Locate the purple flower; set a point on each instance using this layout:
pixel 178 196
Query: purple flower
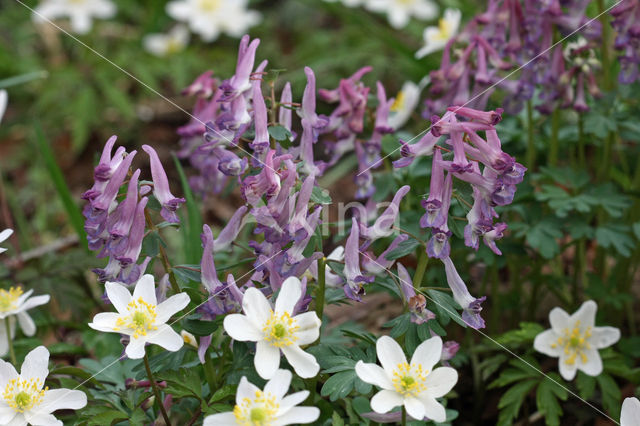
pixel 383 226
pixel 161 188
pixel 136 234
pixel 203 86
pixel 375 266
pixel 417 303
pixel 354 286
pixel 240 82
pixel 231 230
pixel 424 147
pixel 435 215
pixel 229 163
pixel 470 305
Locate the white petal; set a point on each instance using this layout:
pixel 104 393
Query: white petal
pixel 298 415
pixel 559 319
pixel 289 295
pixel 256 306
pixel 80 22
pixel 279 384
pixel 36 364
pixel 59 399
pixel 385 400
pixel 415 407
pixel 3 104
pixel 26 324
pixel 174 304
pixel 428 353
pixel 303 363
pixel 220 419
pixel 398 17
pixel 179 10
pixel 7 414
pixel 240 328
pixel 544 341
pixel 7 372
pixel 246 390
pixel 104 9
pixel 389 353
pixel 34 301
pixel 41 419
pixel 4 344
pixel 567 371
pixel 292 400
pixel 18 420
pixel 602 337
pixel 440 381
pixel 23 297
pixel 166 337
pixel 309 328
pixel 104 321
pixel 118 295
pixel 586 314
pixel 432 408
pixel 630 415
pixel 267 359
pixel 146 288
pixel 135 348
pixel 373 374
pixel 593 366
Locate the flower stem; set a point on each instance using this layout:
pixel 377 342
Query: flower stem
pixel 12 353
pixel 553 143
pixel 321 287
pixel 404 416
pixel 163 256
pixel 423 261
pixel 156 391
pixel 209 372
pixel 531 146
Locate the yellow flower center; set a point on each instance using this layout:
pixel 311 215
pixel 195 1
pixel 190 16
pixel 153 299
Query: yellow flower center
pixel 445 30
pixel 22 395
pixel 209 5
pixel 398 103
pixel 574 342
pixel 259 411
pixel 280 330
pixel 408 380
pixel 9 299
pixel 140 318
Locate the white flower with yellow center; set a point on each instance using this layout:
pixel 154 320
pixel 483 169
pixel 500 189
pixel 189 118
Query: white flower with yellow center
pixel 436 38
pixel 140 316
pixel 575 340
pixel 167 44
pixel 416 384
pixel 14 303
pixel 400 11
pixel 276 330
pixel 404 104
pixel 209 18
pixel 255 407
pixel 79 12
pixel 630 415
pixel 189 339
pixel 4 235
pixel 24 398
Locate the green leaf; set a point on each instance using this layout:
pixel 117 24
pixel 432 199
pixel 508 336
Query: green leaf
pixel 280 133
pixel 586 385
pixel 525 335
pixel 193 227
pixel 223 392
pixel 320 196
pixel 512 400
pixel 107 417
pixel 616 235
pixel 445 306
pixel 151 244
pixel 68 201
pixel 200 327
pixel 547 396
pixel 543 237
pixel 339 385
pixel 611 394
pixel 404 248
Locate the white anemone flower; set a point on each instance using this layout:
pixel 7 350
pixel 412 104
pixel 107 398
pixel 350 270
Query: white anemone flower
pixel 276 330
pixel 14 303
pixel 189 338
pixel 268 407
pixel 4 99
pixel 210 18
pixel 4 235
pixel 167 44
pixel 630 415
pixel 25 399
pixel 79 12
pixel 575 340
pixel 348 3
pixel 400 11
pixel 436 38
pixel 404 104
pixel 416 385
pixel 140 316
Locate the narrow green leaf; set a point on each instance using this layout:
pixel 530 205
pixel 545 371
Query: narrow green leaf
pixel 193 227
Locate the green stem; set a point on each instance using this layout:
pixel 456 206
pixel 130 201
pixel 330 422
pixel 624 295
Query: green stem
pixel 582 159
pixel 163 256
pixel 553 143
pixel 404 416
pixel 423 261
pixel 12 353
pixel 322 262
pixel 156 391
pixel 531 145
pixel 605 51
pixel 210 372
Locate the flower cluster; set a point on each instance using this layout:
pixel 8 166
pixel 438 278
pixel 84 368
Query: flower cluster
pixel 116 228
pixel 626 22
